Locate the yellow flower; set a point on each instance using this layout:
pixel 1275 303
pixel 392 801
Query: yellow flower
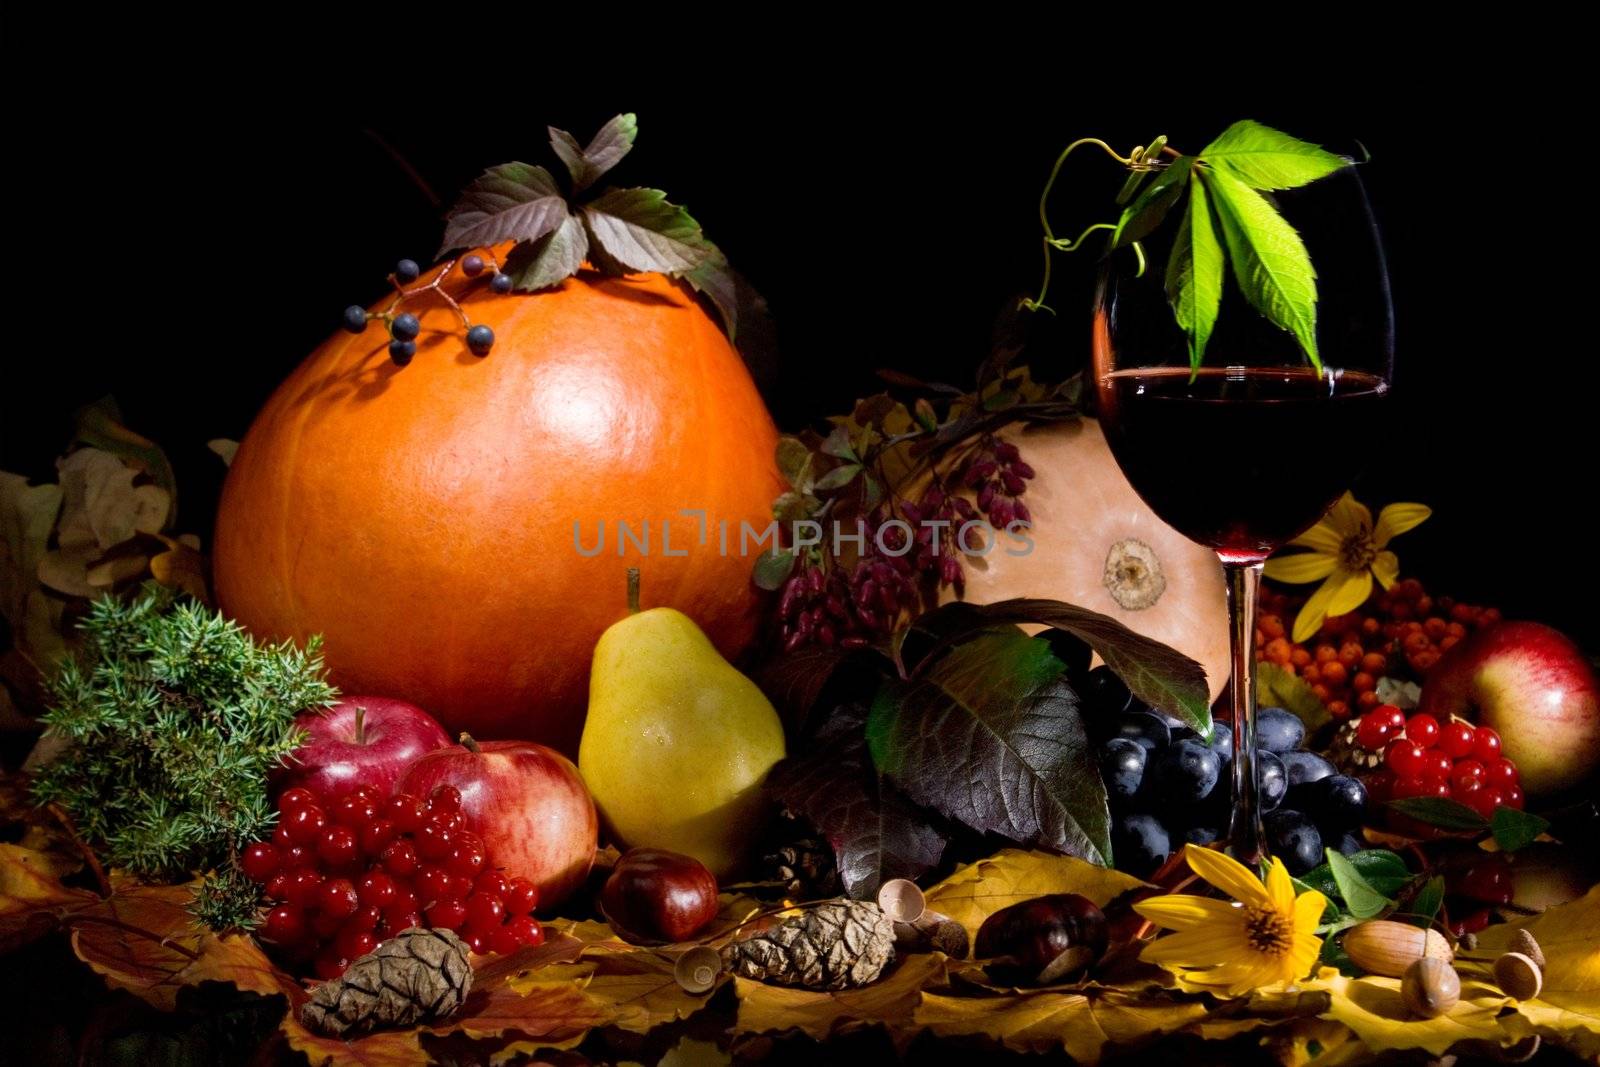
pixel 1347 551
pixel 1232 948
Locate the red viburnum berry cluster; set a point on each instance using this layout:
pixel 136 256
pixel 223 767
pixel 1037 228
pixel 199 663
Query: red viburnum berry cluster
pixel 823 603
pixel 345 875
pixel 1424 758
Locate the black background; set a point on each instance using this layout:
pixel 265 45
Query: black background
pixel 190 235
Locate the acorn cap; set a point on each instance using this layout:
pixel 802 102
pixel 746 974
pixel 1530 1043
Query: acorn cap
pixel 1518 976
pixel 901 900
pixel 697 970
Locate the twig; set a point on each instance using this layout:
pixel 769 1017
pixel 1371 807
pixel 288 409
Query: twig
pixel 89 857
pixel 151 935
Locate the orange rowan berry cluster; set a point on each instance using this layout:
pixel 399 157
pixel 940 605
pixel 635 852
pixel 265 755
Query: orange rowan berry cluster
pixel 1400 632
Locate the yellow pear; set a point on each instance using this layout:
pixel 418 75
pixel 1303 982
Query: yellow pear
pixel 677 743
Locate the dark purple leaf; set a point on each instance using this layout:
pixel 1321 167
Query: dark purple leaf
pixel 794 680
pixel 551 259
pixel 1159 675
pixel 511 202
pixel 643 231
pixel 875 832
pixel 990 735
pixel 586 165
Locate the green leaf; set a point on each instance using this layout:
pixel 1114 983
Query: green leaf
pixel 1194 274
pixel 100 425
pixel 643 231
pixel 773 568
pixel 1270 262
pixel 837 443
pixel 1277 687
pixel 1157 674
pixel 1360 898
pixel 839 477
pixel 1515 829
pixel 721 284
pixel 551 259
pixel 794 461
pixel 792 507
pixel 1440 812
pixel 1427 902
pixel 511 202
pixel 1265 158
pixel 605 151
pixel 1381 869
pixel 991 736
pixel 1142 216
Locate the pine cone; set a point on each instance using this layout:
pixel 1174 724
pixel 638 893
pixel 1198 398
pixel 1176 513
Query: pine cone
pixel 415 976
pixel 805 868
pixel 836 945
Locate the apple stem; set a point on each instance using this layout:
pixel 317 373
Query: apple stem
pixel 361 725
pixel 633 590
pixel 469 744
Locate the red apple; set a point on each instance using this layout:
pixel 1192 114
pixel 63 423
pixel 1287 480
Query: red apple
pixel 527 802
pixel 1532 685
pixel 361 741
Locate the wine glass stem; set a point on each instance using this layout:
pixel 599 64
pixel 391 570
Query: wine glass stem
pixel 1246 840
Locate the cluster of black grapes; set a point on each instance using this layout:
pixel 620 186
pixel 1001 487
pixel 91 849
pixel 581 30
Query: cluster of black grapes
pixel 1168 787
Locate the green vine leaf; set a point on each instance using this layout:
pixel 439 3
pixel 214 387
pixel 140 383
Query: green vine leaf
pixel 721 284
pixel 1270 262
pixel 1514 829
pixel 991 736
pixel 1140 218
pixel 1194 274
pixel 551 259
pixel 587 165
pixel 1360 898
pixel 1265 158
pixel 511 202
pixel 773 568
pixel 643 231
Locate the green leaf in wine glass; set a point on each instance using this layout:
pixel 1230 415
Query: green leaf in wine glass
pixel 1270 262
pixel 1265 158
pixel 1194 274
pixel 1145 214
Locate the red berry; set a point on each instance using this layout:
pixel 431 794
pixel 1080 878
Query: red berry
pixel 1485 744
pixel 298 797
pixel 528 930
pixel 477 943
pixel 521 897
pixel 447 914
pixel 304 825
pixel 280 836
pixel 298 856
pixel 1436 765
pixel 1380 786
pixel 1396 717
pixel 377 835
pixel 337 848
pixel 400 859
pixel 353 811
pixel 1455 738
pixel 446 798
pixel 330 965
pixel 1467 774
pixel 353 943
pixel 503 939
pixel 405 898
pixel 1404 758
pixel 1513 796
pixel 1410 786
pixel 1437 787
pixel 365 917
pixel 1472 924
pixel 492 883
pixel 326 927
pixel 259 861
pixel 368 794
pixel 434 842
pixel 466 859
pixel 284 924
pixel 302 888
pixel 407 812
pixel 484 912
pixel 1484 800
pixel 433 883
pixel 395 922
pixel 376 889
pixel 277 886
pixel 1488 883
pixel 1373 730
pixel 336 898
pixel 1423 729
pixel 1501 774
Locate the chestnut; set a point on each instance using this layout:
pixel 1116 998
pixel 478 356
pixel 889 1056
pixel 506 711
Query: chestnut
pixel 658 896
pixel 1044 939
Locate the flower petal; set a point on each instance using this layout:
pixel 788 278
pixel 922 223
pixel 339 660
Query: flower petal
pixel 1315 608
pixel 1227 874
pixel 1351 595
pixel 1350 516
pixel 1386 568
pixel 1180 912
pixel 1308 909
pixel 1236 979
pixel 1200 948
pixel 1279 888
pixel 1321 538
pixel 1301 567
pixel 1396 519
pixel 1303 957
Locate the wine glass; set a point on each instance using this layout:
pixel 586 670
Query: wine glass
pixel 1252 450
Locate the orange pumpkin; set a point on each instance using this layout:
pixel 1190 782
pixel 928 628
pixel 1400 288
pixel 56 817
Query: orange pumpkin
pixel 426 520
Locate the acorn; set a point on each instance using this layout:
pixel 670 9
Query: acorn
pixel 1379 946
pixel 1430 987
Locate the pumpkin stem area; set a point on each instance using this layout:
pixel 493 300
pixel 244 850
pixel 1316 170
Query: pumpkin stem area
pixel 633 590
pixel 468 743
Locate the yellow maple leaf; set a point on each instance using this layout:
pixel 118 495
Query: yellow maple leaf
pixel 1083 1024
pixel 1567 1010
pixel 889 1002
pixel 1373 1008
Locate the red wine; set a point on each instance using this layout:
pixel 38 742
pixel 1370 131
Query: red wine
pixel 1241 459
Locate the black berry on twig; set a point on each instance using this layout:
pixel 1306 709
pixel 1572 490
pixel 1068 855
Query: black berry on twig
pixel 480 339
pixel 472 266
pixel 407 271
pixel 402 351
pixel 500 283
pixel 355 318
pixel 405 327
